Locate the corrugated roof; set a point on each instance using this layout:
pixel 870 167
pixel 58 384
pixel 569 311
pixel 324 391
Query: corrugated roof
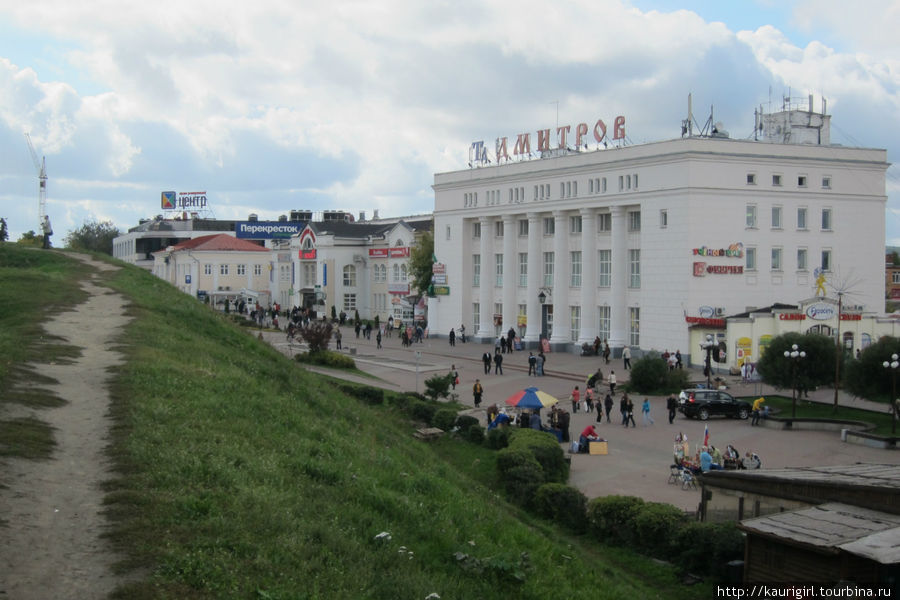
pixel 860 531
pixel 220 242
pixel 861 474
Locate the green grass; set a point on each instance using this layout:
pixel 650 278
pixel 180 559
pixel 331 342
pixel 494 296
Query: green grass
pixel 817 410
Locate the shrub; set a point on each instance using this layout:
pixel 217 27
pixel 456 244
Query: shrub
pixel 466 421
pixel 498 438
pixel 444 419
pixel 706 548
pixel 422 410
pixel 520 474
pixel 437 386
pixel 326 358
pixel 368 394
pixel 655 528
pixel 610 518
pixel 545 449
pixel 648 375
pixel 317 335
pixel 474 433
pixel 561 503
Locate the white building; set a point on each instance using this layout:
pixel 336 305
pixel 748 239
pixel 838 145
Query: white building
pixel 638 244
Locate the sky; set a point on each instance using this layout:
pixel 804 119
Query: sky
pixel 270 106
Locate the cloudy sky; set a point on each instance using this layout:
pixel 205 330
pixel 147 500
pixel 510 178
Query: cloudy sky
pixel 273 105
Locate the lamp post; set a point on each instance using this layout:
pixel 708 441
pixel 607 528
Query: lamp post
pixel 708 344
pixel 542 298
pixel 892 365
pixel 794 355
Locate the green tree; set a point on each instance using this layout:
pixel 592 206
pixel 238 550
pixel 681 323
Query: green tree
pixel 93 235
pixel 30 238
pixel 4 232
pixel 867 377
pixel 816 369
pixel 421 261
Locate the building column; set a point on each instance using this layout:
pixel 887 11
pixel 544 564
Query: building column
pixel 510 273
pixel 486 283
pixel 561 315
pixel 533 306
pixel 618 319
pixel 588 329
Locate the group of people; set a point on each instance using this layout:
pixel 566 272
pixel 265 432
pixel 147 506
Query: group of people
pixel 506 343
pixel 709 458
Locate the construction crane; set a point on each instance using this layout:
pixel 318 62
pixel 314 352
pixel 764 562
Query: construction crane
pixel 41 167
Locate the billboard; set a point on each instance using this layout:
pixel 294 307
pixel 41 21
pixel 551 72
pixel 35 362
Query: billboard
pixel 267 230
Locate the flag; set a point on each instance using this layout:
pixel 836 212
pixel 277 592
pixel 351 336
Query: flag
pixel 706 435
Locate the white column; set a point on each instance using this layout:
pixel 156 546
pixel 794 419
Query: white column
pixel 485 291
pixel 588 330
pixel 561 314
pixel 533 306
pixel 510 272
pixel 618 319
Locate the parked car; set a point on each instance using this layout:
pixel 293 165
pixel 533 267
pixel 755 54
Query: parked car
pixel 703 403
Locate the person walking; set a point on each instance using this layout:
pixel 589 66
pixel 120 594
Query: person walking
pixel 498 363
pixel 623 408
pixel 486 359
pixel 454 376
pixel 645 412
pixel 477 391
pixel 378 339
pixel 452 337
pixel 629 412
pixel 757 407
pixel 541 359
pixel 337 338
pixel 626 357
pixel 606 351
pixel 608 405
pixel 532 364
pixel 612 383
pixel 672 405
pixel 575 397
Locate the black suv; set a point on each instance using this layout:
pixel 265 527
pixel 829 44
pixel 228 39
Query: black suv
pixel 703 403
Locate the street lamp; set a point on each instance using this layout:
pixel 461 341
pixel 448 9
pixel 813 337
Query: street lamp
pixel 794 355
pixel 708 344
pixel 893 367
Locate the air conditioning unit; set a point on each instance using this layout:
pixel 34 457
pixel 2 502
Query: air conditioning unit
pixel 228 289
pixel 720 311
pixel 220 288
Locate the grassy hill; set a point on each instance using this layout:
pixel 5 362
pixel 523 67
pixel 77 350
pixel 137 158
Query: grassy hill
pixel 241 475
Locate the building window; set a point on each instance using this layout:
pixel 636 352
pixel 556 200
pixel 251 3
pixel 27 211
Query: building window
pixel 604 222
pixel 242 269
pixel 663 218
pixel 895 277
pixel 257 270
pixel 603 322
pixel 634 326
pixel 498 270
pixel 826 260
pixel 523 227
pixel 498 228
pixel 776 259
pixel 621 182
pixel 776 217
pixel 521 318
pixel 826 182
pixel 476 230
pixel 603 185
pixel 634 220
pixel 448 232
pixel 776 179
pixel 751 178
pixel 604 261
pixel 549 226
pixel 750 255
pixel 349 276
pixel 309 274
pixel 634 179
pixel 207 269
pixel 801 259
pixel 826 219
pixel 476 317
pixel 395 274
pixel 404 273
pixel 801 181
pixel 634 268
pixel 575 224
pixel 349 302
pixel 476 270
pixel 575 312
pixel 498 314
pixel 628 182
pixel 801 218
pixel 548 269
pixel 523 269
pixel 751 216
pixel 223 269
pixel 575 279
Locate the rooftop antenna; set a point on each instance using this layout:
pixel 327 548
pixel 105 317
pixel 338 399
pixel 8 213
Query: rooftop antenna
pixel 41 168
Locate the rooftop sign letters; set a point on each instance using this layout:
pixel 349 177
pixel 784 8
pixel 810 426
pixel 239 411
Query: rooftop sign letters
pixel 267 230
pixel 478 152
pixel 735 250
pixel 182 200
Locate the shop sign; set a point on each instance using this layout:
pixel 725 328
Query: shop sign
pixel 399 252
pixel 442 290
pixel 791 317
pixel 850 317
pixel 308 254
pixel 701 269
pixel 398 288
pixel 439 279
pixel 706 312
pixel 735 250
pixel 439 268
pixel 378 252
pixel 820 311
pixel 267 230
pixel 705 321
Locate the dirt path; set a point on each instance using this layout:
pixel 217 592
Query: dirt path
pixel 51 546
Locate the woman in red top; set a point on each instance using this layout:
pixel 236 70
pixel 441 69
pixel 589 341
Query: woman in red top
pixel 587 435
pixel 576 396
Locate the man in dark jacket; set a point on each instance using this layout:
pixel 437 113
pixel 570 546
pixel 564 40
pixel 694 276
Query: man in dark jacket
pixel 486 359
pixel 498 363
pixel 672 405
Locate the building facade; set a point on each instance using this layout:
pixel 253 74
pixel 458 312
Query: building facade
pixel 636 244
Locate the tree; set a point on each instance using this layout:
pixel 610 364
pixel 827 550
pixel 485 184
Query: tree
pixel 816 369
pixel 96 236
pixel 316 335
pixel 30 238
pixel 4 232
pixel 867 377
pixel 421 261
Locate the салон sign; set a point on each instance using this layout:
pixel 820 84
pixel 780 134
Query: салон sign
pixel 523 140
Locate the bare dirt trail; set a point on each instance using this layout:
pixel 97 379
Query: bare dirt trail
pixel 51 545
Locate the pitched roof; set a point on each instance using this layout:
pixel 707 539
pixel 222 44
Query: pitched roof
pixel 219 242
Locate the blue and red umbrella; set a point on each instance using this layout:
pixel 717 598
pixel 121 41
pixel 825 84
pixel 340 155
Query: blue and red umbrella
pixel 531 398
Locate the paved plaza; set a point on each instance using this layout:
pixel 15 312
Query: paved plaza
pixel 639 457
